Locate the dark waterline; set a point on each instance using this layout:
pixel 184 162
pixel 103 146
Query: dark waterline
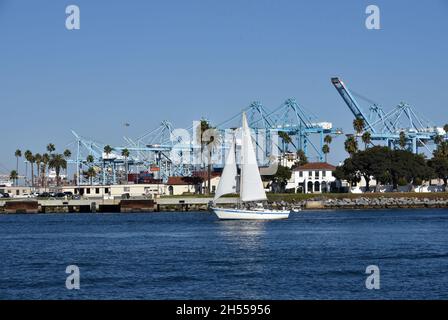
pixel 313 255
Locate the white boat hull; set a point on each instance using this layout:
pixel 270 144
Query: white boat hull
pixel 243 214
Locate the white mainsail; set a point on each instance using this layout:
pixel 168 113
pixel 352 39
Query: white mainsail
pixel 251 186
pixel 227 183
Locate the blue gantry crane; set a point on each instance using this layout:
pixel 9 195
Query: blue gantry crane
pixel 174 154
pixel 386 127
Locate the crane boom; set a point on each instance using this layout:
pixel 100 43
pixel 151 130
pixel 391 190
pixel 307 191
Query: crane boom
pixel 351 102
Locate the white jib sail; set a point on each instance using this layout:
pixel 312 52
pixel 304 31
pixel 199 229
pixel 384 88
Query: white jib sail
pixel 251 188
pixel 227 183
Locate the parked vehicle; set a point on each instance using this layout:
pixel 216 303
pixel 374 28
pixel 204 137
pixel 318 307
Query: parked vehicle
pixel 44 195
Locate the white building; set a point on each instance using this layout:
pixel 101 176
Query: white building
pixel 313 177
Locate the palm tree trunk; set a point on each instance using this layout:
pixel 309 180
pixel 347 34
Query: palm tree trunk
pixel 32 174
pixel 17 170
pixel 126 169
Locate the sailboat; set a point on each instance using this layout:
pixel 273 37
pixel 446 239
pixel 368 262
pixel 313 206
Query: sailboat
pixel 251 188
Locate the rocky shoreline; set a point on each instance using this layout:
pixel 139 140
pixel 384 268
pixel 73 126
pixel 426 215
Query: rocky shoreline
pixel 365 203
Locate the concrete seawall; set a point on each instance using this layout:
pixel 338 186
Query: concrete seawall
pixel 109 205
pixel 201 204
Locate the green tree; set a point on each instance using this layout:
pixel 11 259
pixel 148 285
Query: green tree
pixel 366 138
pixel 14 175
pixel 402 141
pixel 90 159
pixel 372 162
pixel 44 165
pixel 209 140
pixel 358 125
pixel 348 171
pixel 57 162
pixel 441 150
pixel 107 150
pixel 326 150
pixel 440 167
pixel 125 153
pixel 408 166
pixel 67 154
pixel 280 179
pixel 438 139
pixel 445 128
pixel 302 158
pixel 286 139
pixel 38 160
pixel 51 148
pixel 328 139
pixel 439 162
pixel 90 174
pixel 28 154
pixel 17 154
pixel 351 145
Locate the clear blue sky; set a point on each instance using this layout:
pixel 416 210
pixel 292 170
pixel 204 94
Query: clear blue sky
pixel 145 61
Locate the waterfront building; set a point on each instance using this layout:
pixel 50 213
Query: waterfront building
pixel 313 177
pixel 196 184
pixel 115 191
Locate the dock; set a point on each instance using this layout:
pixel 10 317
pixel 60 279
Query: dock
pixel 109 205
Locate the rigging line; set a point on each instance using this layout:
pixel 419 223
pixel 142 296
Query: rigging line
pixel 358 95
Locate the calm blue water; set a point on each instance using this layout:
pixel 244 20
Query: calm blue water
pixel 313 255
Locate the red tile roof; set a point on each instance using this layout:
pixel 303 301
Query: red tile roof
pixel 178 181
pixel 185 181
pixel 204 174
pixel 315 166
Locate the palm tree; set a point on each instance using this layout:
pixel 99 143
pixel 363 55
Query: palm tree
pixel 366 138
pixel 51 148
pixel 326 150
pixel 206 143
pixel 17 154
pixel 14 175
pixel 45 161
pixel 38 160
pixel 402 140
pixel 31 159
pixel 90 158
pixel 125 153
pixel 57 162
pixel 28 154
pixel 67 153
pixel 328 139
pixel 358 125
pixel 107 150
pixel 286 138
pixel 351 145
pixel 91 173
pixel 303 159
